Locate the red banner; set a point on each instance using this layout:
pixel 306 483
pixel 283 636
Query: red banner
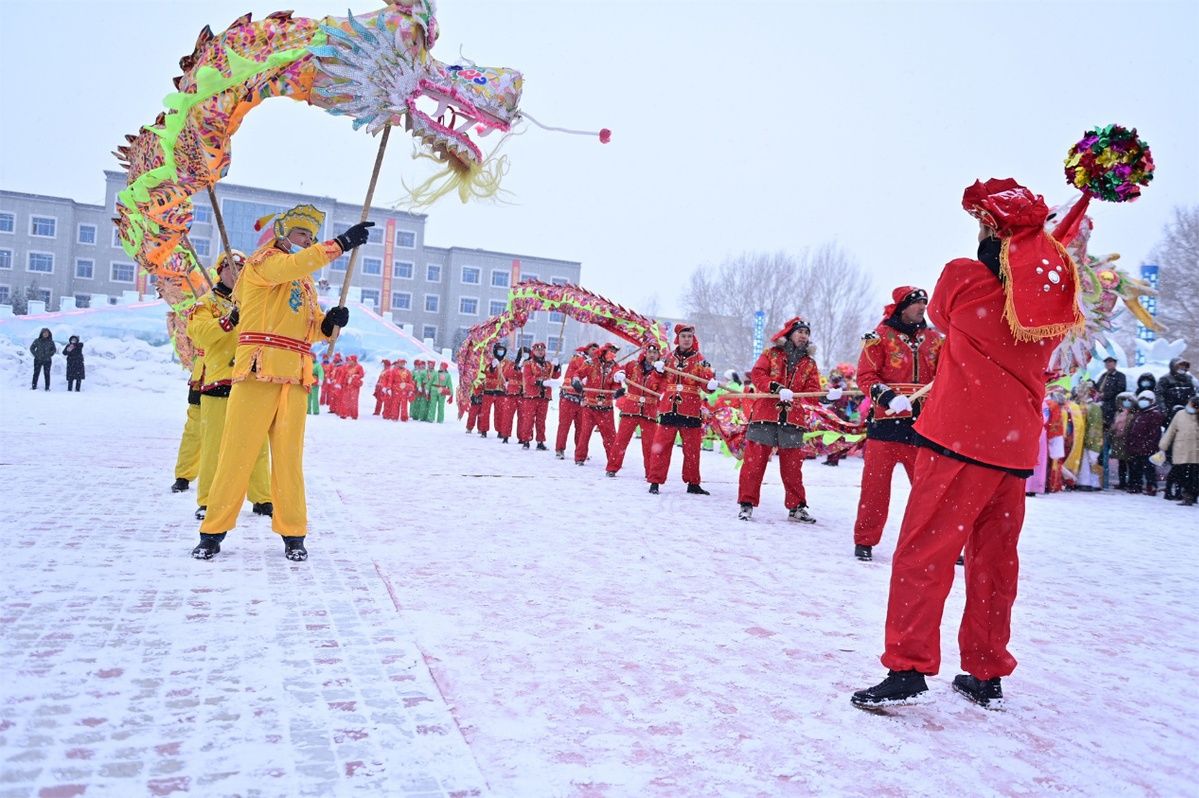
pixel 389 248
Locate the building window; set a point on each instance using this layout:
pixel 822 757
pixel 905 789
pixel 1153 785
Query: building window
pixel 85 268
pixel 340 264
pixel 83 300
pixel 372 266
pixel 370 296
pixel 401 300
pixel 433 272
pixel 405 239
pixel 42 295
pixel 203 248
pixel 432 303
pixel 8 222
pixel 499 278
pixel 527 276
pixel 123 272
pixel 556 317
pixel 401 270
pixel 40 262
pixel 5 296
pixel 525 340
pixel 374 235
pixel 553 344
pixel 87 234
pixel 201 214
pixel 468 306
pixel 559 281
pixel 496 307
pixel 470 275
pixel 116 237
pixel 5 258
pixel 43 226
pixel 429 331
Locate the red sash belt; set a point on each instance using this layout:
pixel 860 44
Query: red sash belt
pixel 274 341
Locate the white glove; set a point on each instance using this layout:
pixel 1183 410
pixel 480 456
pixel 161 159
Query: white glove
pixel 900 404
pixel 834 394
pixel 660 366
pixel 554 383
pixel 618 377
pixel 713 384
pixel 495 364
pixel 1158 459
pixel 786 395
pixel 387 392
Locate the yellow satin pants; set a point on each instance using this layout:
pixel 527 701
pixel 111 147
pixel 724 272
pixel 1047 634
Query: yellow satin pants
pixel 212 428
pixel 187 464
pixel 258 412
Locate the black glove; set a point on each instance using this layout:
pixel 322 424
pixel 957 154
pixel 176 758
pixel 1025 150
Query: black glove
pixel 577 384
pixel 355 236
pixel 336 317
pixel 619 393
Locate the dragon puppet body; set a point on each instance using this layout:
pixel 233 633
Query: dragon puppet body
pixel 376 69
pixel 1102 286
pixel 725 417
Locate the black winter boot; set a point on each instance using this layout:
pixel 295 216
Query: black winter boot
pixel 653 488
pixel 293 548
pixel 746 512
pixel 693 487
pixel 541 447
pixel 264 508
pixel 179 485
pixel 985 692
pixel 201 511
pixel 524 445
pixel 863 553
pixel 209 545
pixel 898 689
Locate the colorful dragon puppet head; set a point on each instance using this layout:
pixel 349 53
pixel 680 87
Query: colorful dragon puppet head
pixel 378 69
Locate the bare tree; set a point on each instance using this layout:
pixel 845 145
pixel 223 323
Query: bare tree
pixel 1178 279
pixel 825 286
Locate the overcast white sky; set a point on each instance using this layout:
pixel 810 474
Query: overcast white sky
pixel 736 125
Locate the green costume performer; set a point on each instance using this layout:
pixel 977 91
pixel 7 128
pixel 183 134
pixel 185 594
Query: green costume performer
pixel 314 394
pixel 420 400
pixel 442 386
pixel 430 406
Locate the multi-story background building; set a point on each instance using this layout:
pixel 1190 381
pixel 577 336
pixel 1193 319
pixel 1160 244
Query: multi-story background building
pixel 66 254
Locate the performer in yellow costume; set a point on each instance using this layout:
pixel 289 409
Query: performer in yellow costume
pixel 211 326
pixel 279 319
pixel 187 462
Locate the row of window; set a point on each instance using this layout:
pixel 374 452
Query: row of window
pixel 85 268
pixel 405 270
pixel 45 295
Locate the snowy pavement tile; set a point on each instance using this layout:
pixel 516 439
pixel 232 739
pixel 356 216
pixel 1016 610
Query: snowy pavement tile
pixel 481 620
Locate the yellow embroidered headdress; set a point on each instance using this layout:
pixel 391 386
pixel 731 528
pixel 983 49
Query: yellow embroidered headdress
pixel 301 217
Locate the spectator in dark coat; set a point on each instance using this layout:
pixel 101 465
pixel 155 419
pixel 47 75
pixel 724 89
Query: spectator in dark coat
pixel 1141 438
pixel 74 353
pixel 1176 388
pixel 1111 383
pixel 43 348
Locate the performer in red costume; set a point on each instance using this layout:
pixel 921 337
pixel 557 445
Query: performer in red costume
pixel 785 369
pixel 333 379
pixel 535 397
pixel 599 384
pixel 352 385
pixel 475 415
pixel 495 383
pixel 327 368
pixel 1003 314
pixel 382 391
pixel 514 388
pixel 680 409
pixel 638 409
pixel 402 390
pixel 568 400
pixel 897 358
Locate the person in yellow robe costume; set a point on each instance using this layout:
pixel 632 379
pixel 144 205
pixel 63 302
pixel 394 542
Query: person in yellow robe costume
pixel 278 321
pixel 211 326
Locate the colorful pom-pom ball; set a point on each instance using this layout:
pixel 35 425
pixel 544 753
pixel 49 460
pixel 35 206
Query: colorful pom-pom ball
pixel 1110 163
pixel 605 136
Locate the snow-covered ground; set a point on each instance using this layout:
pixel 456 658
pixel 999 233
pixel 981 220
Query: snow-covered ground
pixel 481 620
